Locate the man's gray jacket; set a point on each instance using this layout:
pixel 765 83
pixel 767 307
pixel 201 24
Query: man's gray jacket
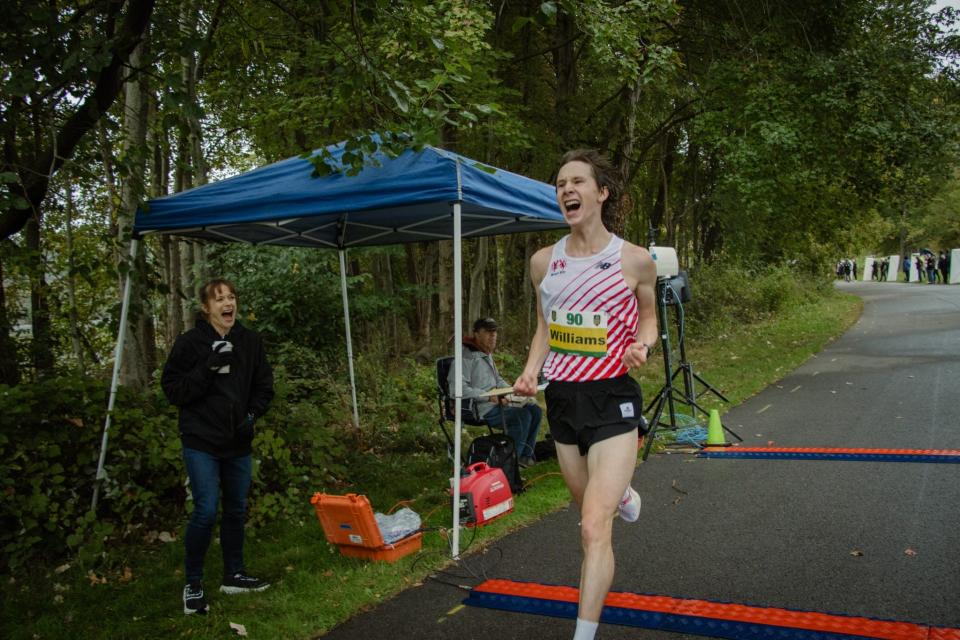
pixel 479 375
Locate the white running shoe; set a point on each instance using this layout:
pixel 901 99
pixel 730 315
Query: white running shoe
pixel 630 505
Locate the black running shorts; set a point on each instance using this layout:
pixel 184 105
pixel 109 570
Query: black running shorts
pixel 582 413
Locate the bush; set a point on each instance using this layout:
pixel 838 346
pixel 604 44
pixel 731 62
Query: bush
pixel 729 293
pixel 50 435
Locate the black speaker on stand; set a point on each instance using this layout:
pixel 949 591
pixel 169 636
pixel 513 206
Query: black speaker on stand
pixel 674 291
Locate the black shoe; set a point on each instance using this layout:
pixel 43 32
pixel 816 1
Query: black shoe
pixel 193 599
pixel 242 583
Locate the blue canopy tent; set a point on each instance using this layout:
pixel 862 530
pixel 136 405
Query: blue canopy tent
pixel 430 194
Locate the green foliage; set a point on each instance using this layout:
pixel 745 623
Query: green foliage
pixel 725 294
pixel 813 130
pixel 50 435
pixel 398 411
pixel 50 439
pixel 296 292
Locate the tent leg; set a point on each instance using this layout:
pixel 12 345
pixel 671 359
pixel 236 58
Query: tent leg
pixel 115 381
pixel 346 322
pixel 458 371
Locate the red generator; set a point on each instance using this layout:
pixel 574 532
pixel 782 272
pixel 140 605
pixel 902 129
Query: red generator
pixel 484 494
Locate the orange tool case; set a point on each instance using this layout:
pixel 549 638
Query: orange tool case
pixel 348 522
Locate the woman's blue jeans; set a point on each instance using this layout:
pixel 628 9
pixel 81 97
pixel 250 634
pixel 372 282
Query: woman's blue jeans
pixel 209 475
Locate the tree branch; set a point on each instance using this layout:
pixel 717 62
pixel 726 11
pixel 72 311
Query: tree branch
pixel 35 178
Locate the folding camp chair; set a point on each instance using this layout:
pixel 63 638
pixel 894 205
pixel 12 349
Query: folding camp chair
pixel 446 405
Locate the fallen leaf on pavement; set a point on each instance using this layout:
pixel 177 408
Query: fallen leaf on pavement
pixel 856 552
pixel 909 552
pixel 675 487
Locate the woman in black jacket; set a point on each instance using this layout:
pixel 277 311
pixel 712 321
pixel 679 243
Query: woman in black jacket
pixel 219 377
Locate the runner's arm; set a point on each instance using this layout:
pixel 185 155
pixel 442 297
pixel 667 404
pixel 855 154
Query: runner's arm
pixel 526 384
pixel 641 274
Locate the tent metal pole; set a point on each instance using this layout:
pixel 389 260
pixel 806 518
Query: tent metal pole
pixel 115 381
pixel 346 322
pixel 458 372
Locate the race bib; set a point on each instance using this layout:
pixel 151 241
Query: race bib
pixel 580 333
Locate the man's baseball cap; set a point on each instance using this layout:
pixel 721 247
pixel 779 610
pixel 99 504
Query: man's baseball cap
pixel 488 324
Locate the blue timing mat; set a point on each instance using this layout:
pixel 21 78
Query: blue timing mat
pixel 823 453
pixel 699 617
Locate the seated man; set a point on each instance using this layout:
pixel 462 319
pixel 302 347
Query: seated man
pixel 520 415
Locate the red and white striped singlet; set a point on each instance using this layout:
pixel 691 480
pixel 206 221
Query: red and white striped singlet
pixel 591 314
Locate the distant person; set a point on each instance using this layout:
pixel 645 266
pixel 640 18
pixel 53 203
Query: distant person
pixel 596 319
pixel 480 375
pixel 920 267
pixel 906 268
pixel 931 263
pixel 218 376
pixel 943 266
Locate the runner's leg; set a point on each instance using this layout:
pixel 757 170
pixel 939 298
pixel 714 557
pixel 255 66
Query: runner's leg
pixel 610 467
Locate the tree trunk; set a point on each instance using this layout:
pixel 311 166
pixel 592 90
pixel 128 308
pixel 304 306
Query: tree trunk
pixel 410 263
pixel 623 158
pixel 478 281
pixel 445 292
pixel 188 301
pixel 139 354
pixel 498 261
pixel 661 208
pixel 41 346
pixel 171 268
pixel 529 299
pixel 420 273
pixel 393 328
pixel 565 70
pixel 76 342
pixel 190 15
pixel 109 179
pixel 9 363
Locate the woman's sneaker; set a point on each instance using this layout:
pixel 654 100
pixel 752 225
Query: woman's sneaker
pixel 630 505
pixel 242 583
pixel 193 599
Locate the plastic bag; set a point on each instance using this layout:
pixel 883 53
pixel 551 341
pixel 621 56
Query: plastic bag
pixel 398 525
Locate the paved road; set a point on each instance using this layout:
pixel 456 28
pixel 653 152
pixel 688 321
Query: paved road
pixel 775 533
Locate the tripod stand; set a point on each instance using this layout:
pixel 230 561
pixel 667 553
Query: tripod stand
pixel 667 294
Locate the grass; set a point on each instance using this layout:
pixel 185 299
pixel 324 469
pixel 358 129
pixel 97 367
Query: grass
pixel 315 588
